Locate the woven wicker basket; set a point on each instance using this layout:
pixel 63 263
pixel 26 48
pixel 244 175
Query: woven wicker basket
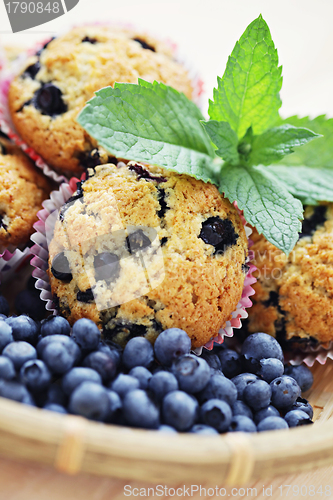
pixel 72 444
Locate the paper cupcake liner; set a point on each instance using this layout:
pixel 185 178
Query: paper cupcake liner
pixel 12 262
pixel 40 262
pixel 310 354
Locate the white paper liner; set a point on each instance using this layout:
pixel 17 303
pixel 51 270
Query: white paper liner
pixel 310 355
pixel 11 263
pixel 40 262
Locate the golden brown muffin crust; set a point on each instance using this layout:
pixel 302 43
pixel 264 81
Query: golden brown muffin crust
pixel 302 282
pixel 79 68
pixel 199 291
pixel 22 190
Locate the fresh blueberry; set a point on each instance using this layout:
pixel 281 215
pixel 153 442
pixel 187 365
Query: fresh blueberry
pixel 4 306
pixel 6 334
pixel 67 342
pixel 240 408
pixel 104 364
pixel 107 266
pixel 231 363
pixel 48 99
pixel 218 387
pixel 124 384
pixel 76 376
pixel 115 407
pixel 258 394
pixel 56 395
pixel 56 408
pixel 171 344
pixel 302 375
pixel 58 358
pixel 35 375
pixel 285 391
pixel 19 352
pixel 270 369
pixel 55 325
pixel 272 424
pixel 179 410
pixel 192 373
pixel 217 414
pixel 15 391
pixel 162 383
pixel 90 400
pixel 241 423
pixel 60 268
pixel 218 232
pixel 260 346
pixel 302 404
pixel 296 418
pixel 140 411
pixel 212 359
pixel 29 302
pixel 168 429
pixel 7 370
pixel 142 374
pixel 86 334
pixel 138 352
pixel 269 411
pixel 203 429
pixel 24 328
pixel 112 350
pixel 241 381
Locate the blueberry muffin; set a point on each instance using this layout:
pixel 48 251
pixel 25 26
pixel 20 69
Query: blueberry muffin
pixel 22 190
pixel 139 249
pixel 55 84
pixel 294 294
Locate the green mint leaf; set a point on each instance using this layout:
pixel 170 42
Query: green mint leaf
pixel 152 123
pixel 225 139
pixel 317 154
pixel 266 203
pixel 305 183
pixel 248 93
pixel 278 142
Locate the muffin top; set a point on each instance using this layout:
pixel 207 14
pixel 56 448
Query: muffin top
pixel 294 294
pixel 22 190
pixel 56 82
pixel 139 249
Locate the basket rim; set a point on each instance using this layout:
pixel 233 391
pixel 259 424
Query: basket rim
pixel 235 457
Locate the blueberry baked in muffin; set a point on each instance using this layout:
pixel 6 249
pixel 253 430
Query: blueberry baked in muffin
pixel 22 190
pixel 293 299
pixel 139 249
pixel 57 81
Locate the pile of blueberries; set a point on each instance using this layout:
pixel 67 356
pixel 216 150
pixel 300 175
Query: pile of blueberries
pixel 49 365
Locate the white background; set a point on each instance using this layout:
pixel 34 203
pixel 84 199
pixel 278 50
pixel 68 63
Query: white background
pixel 206 31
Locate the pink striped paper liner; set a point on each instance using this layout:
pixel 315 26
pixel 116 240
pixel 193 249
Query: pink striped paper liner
pixel 40 262
pixel 12 262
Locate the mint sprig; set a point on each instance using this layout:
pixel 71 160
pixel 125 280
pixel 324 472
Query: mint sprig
pixel 156 124
pixel 152 123
pixel 265 202
pixel 248 94
pixel 306 183
pixel 317 154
